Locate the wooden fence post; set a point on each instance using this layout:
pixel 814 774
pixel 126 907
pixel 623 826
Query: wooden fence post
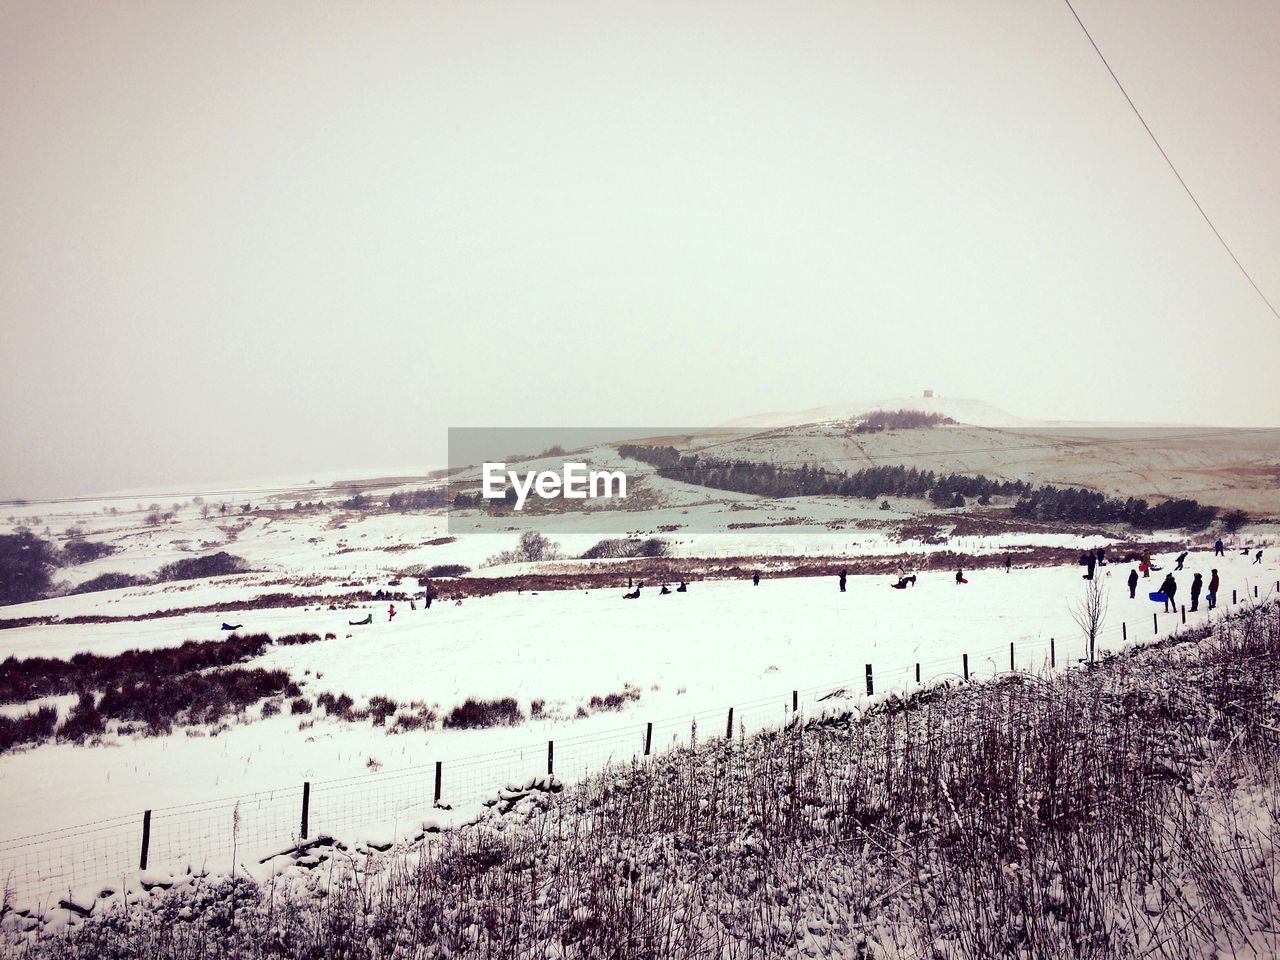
pixel 1233 597
pixel 1053 654
pixel 1011 666
pixel 439 771
pixel 871 687
pixel 966 666
pixel 306 809
pixel 728 726
pixel 1155 624
pixel 1124 631
pixel 917 673
pixel 551 758
pixel 146 839
pixel 648 738
pixel 795 701
pixel 1255 591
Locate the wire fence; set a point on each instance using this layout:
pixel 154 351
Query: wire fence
pixel 217 835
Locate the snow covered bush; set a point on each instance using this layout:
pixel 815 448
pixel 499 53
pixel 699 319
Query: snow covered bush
pixel 474 712
pixel 196 568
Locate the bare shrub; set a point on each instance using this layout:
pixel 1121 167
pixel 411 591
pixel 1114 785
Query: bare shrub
pixel 108 581
pixel 197 568
pixel 422 718
pixel 33 726
pixel 474 712
pixel 85 551
pixel 629 547
pixel 532 548
pixel 615 701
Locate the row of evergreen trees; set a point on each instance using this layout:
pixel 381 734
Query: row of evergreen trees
pixel 1047 503
pixel 1089 506
pixel 771 480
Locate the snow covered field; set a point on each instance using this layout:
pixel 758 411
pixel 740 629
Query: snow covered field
pixel 665 659
pixel 724 643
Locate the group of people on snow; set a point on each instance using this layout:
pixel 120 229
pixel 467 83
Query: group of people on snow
pixel 1169 588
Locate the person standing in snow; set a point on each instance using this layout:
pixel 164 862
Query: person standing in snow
pixel 1090 562
pixel 844 576
pixel 960 577
pixel 1218 549
pixel 1146 563
pixel 1197 584
pixel 1213 589
pixel 1133 583
pixel 755 579
pixel 1170 589
pixel 1182 557
pixel 1101 553
pixel 1008 562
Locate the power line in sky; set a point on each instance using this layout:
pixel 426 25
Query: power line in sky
pixel 1154 139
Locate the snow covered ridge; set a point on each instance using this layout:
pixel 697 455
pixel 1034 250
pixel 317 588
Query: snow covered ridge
pixel 1082 815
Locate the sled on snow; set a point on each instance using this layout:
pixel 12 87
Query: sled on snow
pixel 361 623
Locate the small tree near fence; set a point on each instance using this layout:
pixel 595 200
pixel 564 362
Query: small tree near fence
pixel 1090 612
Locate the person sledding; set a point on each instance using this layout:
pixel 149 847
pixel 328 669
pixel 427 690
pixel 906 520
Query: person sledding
pixel 632 594
pixel 227 626
pixel 908 580
pixel 361 623
pixel 683 588
pixel 665 591
pixel 1257 557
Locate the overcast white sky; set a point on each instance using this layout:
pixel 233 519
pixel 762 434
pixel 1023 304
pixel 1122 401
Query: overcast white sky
pixel 252 239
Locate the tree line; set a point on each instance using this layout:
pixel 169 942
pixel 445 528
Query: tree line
pixel 1046 502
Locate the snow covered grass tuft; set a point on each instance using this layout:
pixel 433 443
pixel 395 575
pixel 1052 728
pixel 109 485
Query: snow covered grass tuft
pixel 474 712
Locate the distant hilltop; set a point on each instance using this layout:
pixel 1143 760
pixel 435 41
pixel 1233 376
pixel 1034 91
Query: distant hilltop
pixel 965 411
pixel 975 413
